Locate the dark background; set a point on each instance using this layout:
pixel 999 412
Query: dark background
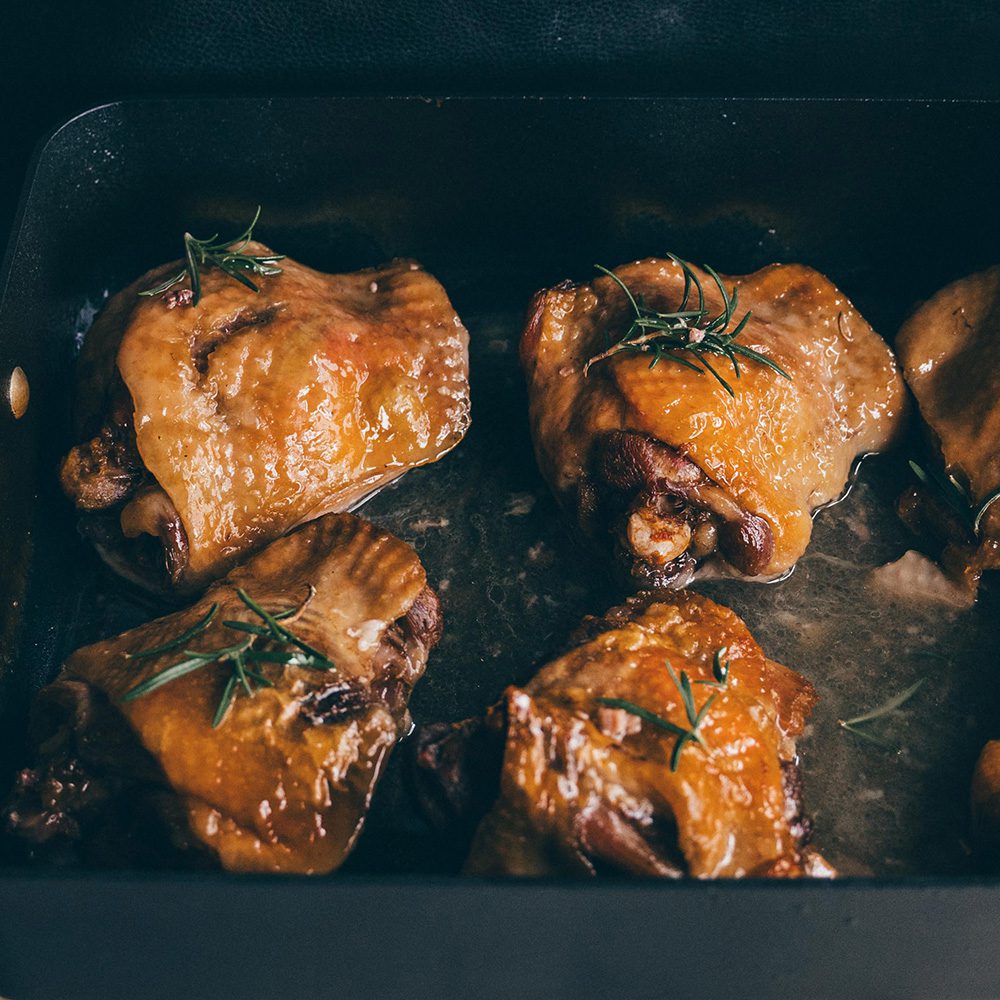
pixel 58 58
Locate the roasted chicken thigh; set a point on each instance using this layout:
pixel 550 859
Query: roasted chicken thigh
pixel 596 775
pixel 682 473
pixel 215 427
pixel 986 801
pixel 262 761
pixel 950 352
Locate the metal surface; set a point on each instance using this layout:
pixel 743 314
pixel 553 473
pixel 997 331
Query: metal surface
pixel 498 198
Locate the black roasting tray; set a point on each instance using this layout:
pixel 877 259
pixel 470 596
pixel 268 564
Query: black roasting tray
pixel 499 197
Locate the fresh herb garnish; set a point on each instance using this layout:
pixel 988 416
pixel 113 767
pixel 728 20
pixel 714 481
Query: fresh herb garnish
pixel 685 330
pixel 182 640
pixel 695 716
pixel 282 634
pixel 227 255
pixel 887 707
pixel 240 657
pixel 957 497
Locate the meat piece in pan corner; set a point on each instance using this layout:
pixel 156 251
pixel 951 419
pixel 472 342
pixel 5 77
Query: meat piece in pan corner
pixel 662 744
pixel 950 352
pixel 216 422
pixel 248 731
pixel 698 420
pixel 986 803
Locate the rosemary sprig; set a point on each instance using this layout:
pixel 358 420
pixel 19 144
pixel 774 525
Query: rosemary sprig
pixel 720 670
pixel 686 329
pixel 227 255
pixel 957 497
pixel 241 657
pixel 182 640
pixel 886 708
pixel 194 660
pixel 695 716
pixel 283 634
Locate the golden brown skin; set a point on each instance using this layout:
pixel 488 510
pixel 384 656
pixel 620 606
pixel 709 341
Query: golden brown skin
pixel 950 352
pixel 986 797
pixel 283 784
pixel 586 787
pixel 778 450
pixel 254 413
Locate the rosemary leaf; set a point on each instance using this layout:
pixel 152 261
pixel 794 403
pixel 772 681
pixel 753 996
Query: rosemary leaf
pixel 977 518
pixel 949 489
pixel 227 256
pixel 241 657
pixel 695 716
pixel 240 669
pixel 165 676
pixel 720 670
pixel 691 330
pixel 286 658
pixel 953 493
pixel 884 744
pixel 699 718
pixel 181 640
pixel 675 756
pixel 896 701
pixel 228 697
pixel 261 680
pixel 279 632
pixel 642 713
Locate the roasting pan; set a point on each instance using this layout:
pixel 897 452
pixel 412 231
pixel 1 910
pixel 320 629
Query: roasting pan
pixel 498 197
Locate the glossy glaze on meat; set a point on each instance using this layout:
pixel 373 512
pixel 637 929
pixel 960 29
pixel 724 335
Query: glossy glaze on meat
pixel 220 426
pixel 950 352
pixel 680 473
pixel 283 784
pixel 986 802
pixel 586 788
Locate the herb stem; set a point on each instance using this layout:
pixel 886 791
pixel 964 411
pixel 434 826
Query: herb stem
pixel 227 256
pixel 238 656
pixel 956 496
pixel 886 708
pixel 181 640
pixel 685 330
pixel 695 716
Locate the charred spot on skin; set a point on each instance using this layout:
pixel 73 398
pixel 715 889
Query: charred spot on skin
pixel 333 703
pixel 245 319
pixel 106 470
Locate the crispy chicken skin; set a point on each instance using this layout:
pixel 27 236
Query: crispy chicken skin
pixel 586 788
pixel 950 352
pixel 986 799
pixel 662 459
pixel 284 782
pixel 215 428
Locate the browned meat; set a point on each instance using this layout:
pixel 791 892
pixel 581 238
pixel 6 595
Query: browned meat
pixel 590 784
pixel 950 352
pixel 106 470
pixel 681 475
pixel 677 515
pixel 986 802
pixel 283 782
pixel 216 427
